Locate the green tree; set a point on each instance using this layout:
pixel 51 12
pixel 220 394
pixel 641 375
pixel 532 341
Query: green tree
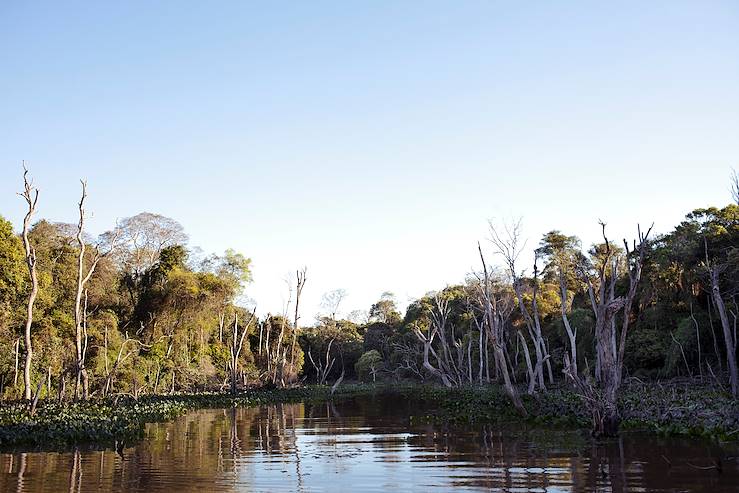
pixel 368 365
pixel 385 310
pixel 12 289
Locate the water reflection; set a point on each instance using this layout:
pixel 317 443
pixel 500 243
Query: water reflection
pixel 367 445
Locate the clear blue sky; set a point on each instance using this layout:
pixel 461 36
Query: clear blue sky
pixel 372 140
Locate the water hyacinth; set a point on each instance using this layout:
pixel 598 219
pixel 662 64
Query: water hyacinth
pixel 105 421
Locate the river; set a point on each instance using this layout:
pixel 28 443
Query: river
pixel 369 444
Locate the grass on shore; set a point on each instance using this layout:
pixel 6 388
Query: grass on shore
pixel 662 409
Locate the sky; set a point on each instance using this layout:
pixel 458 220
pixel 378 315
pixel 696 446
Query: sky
pixel 370 141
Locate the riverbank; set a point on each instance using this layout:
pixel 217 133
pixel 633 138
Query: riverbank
pixel 665 409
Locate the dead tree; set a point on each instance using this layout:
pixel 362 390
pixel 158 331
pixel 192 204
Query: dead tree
pixel 571 333
pixel 601 398
pixel 237 343
pixel 338 381
pixel 634 262
pixel 481 350
pixel 331 301
pixel 494 316
pixel 83 276
pixel 279 364
pixel 276 358
pixel 110 371
pixel 30 194
pixel 452 356
pixel 279 355
pixel 427 340
pixel 529 369
pixel 323 369
pixel 508 247
pixel 714 271
pixel 449 371
pixel 266 328
pixel 408 359
pixel 299 285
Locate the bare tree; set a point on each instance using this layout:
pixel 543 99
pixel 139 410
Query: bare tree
pixel 276 357
pixel 338 381
pixel 358 317
pixel 408 354
pixel 331 300
pixel 279 355
pixel 509 247
pixel 143 237
pixel 494 315
pixel 564 301
pixel 83 276
pixel 610 346
pixel 237 343
pixel 734 186
pixel 448 369
pixel 571 333
pixel 30 194
pixel 299 285
pixel 323 369
pixel 714 269
pixel 529 368
pixel 279 364
pixel 110 371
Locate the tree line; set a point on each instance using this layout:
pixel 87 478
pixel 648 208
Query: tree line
pixel 133 311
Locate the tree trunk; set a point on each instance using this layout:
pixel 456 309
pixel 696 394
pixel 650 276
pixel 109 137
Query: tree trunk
pixel 728 336
pixel 16 347
pixel 31 196
pixel 602 400
pixel 529 369
pixel 80 316
pixel 300 283
pixel 571 334
pixel 480 357
pixel 493 321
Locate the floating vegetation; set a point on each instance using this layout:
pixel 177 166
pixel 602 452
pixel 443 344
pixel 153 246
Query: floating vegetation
pixel 105 421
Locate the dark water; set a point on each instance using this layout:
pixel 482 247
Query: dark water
pixel 369 445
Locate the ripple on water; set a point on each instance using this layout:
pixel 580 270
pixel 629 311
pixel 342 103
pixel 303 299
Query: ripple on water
pixel 351 446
